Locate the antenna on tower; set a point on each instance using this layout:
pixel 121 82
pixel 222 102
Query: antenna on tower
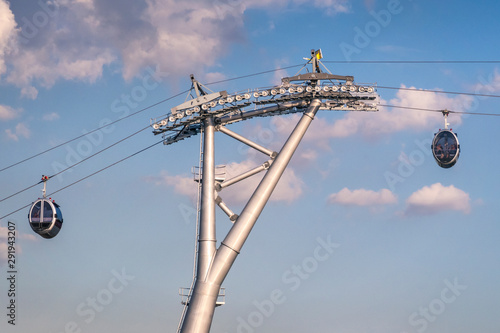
pixel 197 86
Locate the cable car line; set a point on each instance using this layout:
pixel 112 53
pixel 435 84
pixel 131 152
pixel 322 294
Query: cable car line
pixel 137 132
pixel 254 74
pixel 413 62
pixel 261 73
pixel 439 91
pixel 436 110
pixel 88 176
pixel 139 111
pixel 94 130
pixel 88 157
pixel 21 191
pixel 17 210
pixel 75 164
pixel 246 76
pixel 107 167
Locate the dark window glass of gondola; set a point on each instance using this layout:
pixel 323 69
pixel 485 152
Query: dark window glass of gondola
pixel 35 213
pixel 48 214
pixel 445 147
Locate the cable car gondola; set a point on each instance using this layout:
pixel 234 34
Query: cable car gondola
pixel 45 216
pixel 445 146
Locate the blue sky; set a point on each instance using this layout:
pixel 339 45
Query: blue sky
pixel 413 247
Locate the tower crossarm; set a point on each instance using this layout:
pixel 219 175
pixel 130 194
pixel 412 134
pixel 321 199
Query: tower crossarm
pixel 186 119
pixel 317 76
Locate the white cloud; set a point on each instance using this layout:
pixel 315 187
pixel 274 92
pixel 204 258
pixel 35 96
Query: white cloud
pixel 290 187
pixel 437 198
pixel 47 65
pixel 7 112
pixel 21 130
pixel 331 7
pixel 7 32
pixel 369 4
pixel 362 197
pixel 489 84
pixel 68 47
pixel 308 154
pixel 386 121
pixel 390 120
pixel 4 246
pixel 29 92
pixel 184 33
pixel 181 184
pixel 214 77
pixel 3 253
pixel 81 38
pixel 50 116
pixel 88 3
pixel 278 75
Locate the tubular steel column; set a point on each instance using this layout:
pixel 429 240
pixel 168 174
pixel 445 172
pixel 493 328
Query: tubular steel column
pixel 207 239
pixel 203 300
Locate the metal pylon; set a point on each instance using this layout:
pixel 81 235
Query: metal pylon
pixel 213 267
pixel 208 113
pixel 198 208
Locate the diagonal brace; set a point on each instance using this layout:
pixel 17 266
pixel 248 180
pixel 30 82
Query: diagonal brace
pixel 203 300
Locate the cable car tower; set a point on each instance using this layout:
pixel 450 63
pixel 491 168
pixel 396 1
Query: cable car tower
pixel 212 112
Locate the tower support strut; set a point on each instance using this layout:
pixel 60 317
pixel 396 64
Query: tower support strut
pixel 210 277
pixel 207 237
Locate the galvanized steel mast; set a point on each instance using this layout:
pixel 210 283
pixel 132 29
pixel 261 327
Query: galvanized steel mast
pixel 212 112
